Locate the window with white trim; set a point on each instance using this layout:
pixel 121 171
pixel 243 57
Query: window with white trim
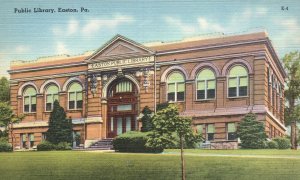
pixel 29 101
pixel 238 82
pixel 231 131
pixel 175 87
pixel 75 96
pixel 210 132
pixel 206 85
pixel 51 95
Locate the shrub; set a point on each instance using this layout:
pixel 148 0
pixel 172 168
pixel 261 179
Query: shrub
pixel 4 139
pixel 133 141
pixel 272 145
pixel 63 146
pixel 5 147
pixel 283 143
pixel 251 132
pixel 45 146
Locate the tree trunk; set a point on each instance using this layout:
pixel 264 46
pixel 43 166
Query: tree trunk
pixel 294 135
pixel 182 159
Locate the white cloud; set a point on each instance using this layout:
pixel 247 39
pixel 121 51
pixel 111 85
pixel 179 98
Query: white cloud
pixel 208 26
pixel 72 28
pixel 20 49
pixel 61 48
pixel 184 28
pixel 95 25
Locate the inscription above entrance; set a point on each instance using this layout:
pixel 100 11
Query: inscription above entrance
pixel 122 62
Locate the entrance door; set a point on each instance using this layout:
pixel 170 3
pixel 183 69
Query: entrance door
pixel 122 108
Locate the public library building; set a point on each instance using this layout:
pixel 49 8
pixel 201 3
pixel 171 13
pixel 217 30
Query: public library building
pixel 215 81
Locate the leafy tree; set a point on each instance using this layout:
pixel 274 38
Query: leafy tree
pixel 60 128
pixel 166 122
pixel 251 132
pixel 146 120
pixel 292 93
pixel 8 118
pixel 4 90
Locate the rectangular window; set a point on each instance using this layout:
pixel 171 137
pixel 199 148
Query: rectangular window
pixel 31 139
pixel 72 100
pixel 171 92
pixel 210 131
pixel 232 86
pixel 124 107
pixel 26 104
pixel 128 124
pixel 243 84
pixel 180 92
pixel 79 100
pixel 211 86
pixel 199 129
pixel 201 90
pixel 231 131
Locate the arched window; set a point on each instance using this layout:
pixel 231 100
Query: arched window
pixel 51 95
pixel 124 86
pixel 75 96
pixel 29 100
pixel 238 82
pixel 176 87
pixel 206 85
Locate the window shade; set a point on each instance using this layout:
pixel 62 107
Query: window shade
pixel 201 85
pixel 232 82
pixel 199 129
pixel 33 100
pixel 171 87
pixel 79 96
pixel 211 84
pixel 180 87
pixel 210 128
pixel 72 96
pixel 231 127
pixel 243 81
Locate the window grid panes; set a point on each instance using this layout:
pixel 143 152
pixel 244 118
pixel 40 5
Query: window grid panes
pixel 231 131
pixel 124 86
pixel 238 82
pixel 175 87
pixel 75 96
pixel 29 101
pixel 210 132
pixel 206 85
pixel 51 96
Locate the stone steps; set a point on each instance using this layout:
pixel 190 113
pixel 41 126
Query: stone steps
pixel 104 144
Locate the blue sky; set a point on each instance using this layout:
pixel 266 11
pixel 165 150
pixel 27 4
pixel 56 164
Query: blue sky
pixel 28 36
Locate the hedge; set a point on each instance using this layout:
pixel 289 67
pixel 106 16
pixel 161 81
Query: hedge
pixel 47 146
pixel 133 141
pixel 272 145
pixel 283 143
pixel 5 147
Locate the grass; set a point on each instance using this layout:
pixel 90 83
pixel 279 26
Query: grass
pixel 96 165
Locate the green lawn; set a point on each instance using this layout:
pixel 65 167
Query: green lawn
pixel 96 165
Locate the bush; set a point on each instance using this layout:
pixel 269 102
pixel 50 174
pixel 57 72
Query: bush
pixel 133 141
pixel 45 146
pixel 272 145
pixel 63 146
pixel 283 143
pixel 4 139
pixel 5 147
pixel 252 133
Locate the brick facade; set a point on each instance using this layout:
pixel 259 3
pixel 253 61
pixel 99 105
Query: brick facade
pixel 252 51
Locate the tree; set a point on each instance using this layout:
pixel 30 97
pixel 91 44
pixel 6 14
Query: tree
pixel 60 128
pixel 146 120
pixel 292 93
pixel 8 118
pixel 166 122
pixel 251 132
pixel 4 90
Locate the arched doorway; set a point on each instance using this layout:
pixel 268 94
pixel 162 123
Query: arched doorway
pixel 122 106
